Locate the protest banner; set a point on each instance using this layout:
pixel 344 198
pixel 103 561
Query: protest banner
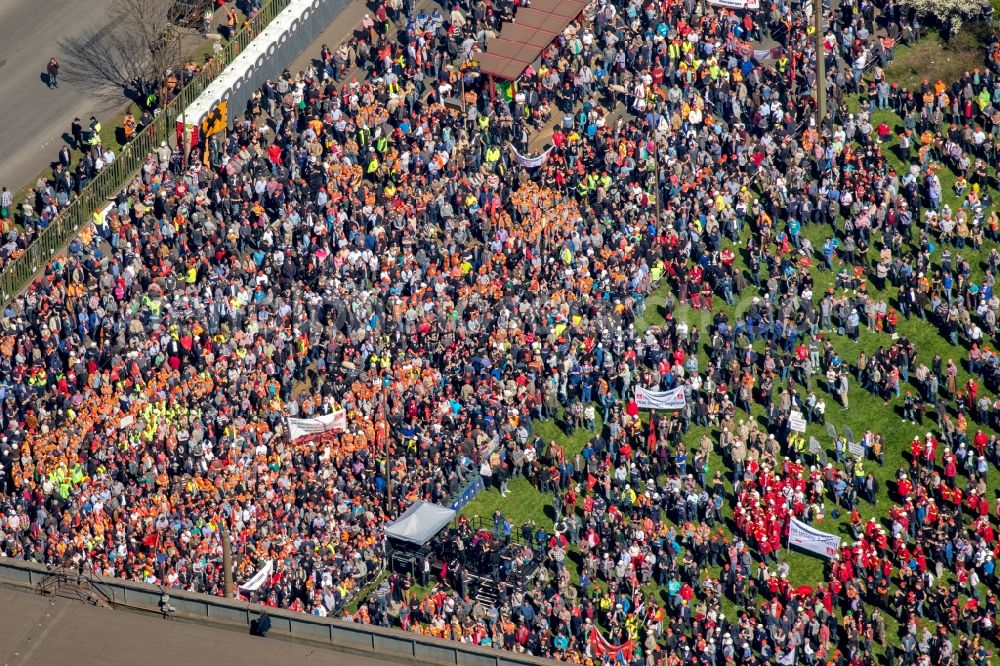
pixel 259 578
pixel 805 537
pixel 530 162
pixel 648 399
pixel 334 422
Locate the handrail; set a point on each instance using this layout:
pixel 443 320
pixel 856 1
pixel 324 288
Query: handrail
pixel 19 272
pixel 471 480
pixel 60 576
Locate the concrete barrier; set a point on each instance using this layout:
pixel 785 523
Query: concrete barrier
pixel 265 57
pixel 363 639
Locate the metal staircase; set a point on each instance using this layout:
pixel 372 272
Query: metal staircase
pixel 70 583
pixel 484 590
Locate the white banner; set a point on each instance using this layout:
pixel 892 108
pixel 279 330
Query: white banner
pixel 767 54
pixel 672 399
pixel 797 422
pixel 335 422
pixel 530 162
pixel 823 544
pixel 258 578
pixel 736 4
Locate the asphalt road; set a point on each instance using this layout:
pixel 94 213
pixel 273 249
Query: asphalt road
pixel 34 117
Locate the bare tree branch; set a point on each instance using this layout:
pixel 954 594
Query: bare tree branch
pixel 132 52
pixel 147 20
pixel 106 61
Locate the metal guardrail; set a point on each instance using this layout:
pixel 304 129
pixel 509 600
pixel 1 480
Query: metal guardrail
pixel 18 273
pixel 467 492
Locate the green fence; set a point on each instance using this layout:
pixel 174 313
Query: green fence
pixel 17 274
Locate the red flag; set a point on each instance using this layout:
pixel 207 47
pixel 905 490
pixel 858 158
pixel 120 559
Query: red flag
pixel 601 646
pixel 591 481
pixel 651 440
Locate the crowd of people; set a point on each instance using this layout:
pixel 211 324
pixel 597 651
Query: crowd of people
pixel 374 247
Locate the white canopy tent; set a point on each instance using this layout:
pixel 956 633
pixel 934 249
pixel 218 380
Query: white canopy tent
pixel 420 523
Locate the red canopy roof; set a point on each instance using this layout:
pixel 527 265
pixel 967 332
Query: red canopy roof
pixel 518 44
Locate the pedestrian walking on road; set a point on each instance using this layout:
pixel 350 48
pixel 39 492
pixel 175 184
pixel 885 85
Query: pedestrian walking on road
pixel 52 69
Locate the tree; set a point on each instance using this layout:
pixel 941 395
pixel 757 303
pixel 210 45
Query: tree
pixel 947 13
pixel 127 56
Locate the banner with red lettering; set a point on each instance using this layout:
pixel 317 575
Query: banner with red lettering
pixel 335 422
pixel 648 399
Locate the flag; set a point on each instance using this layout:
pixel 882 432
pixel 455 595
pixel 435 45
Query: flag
pixel 506 90
pixel 672 399
pixel 651 440
pixel 602 646
pixel 787 659
pixel 215 121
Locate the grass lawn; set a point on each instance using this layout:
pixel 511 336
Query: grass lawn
pixel 936 58
pixel 867 411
